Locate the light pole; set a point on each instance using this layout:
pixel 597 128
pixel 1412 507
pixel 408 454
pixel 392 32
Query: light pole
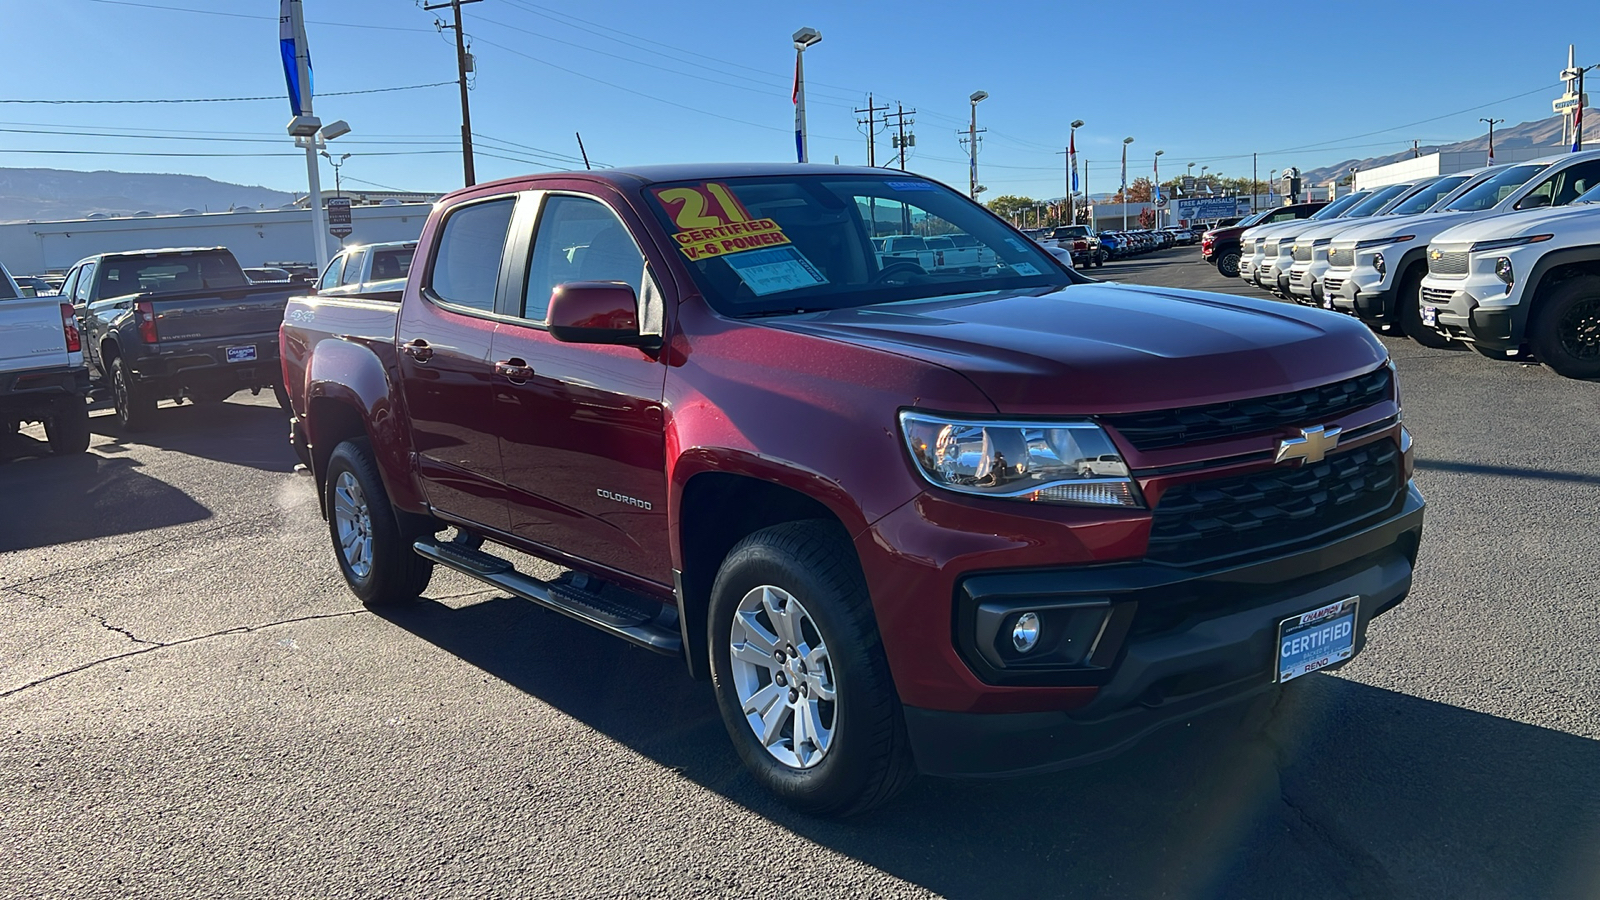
pixel 1072 166
pixel 1155 190
pixel 338 188
pixel 972 137
pixel 1492 124
pixel 1125 142
pixel 805 37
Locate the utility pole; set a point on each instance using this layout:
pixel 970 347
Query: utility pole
pixel 1492 124
pixel 461 75
pixel 871 121
pixel 972 138
pixel 902 140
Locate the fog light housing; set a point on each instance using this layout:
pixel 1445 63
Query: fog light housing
pixel 1504 272
pixel 1379 264
pixel 1025 633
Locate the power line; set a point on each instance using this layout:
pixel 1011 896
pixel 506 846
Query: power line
pixel 230 15
pixel 288 155
pixel 277 97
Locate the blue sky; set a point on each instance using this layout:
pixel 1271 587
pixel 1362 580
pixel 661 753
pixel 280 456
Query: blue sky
pixel 668 82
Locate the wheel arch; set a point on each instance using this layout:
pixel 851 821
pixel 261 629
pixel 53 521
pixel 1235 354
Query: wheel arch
pixel 348 396
pixel 1550 271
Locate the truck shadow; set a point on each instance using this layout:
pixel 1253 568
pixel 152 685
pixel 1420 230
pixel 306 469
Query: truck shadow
pixel 240 432
pixel 60 499
pixel 1337 789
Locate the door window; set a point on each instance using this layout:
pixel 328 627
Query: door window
pixel 331 277
pixel 80 294
pixel 579 239
pixel 1563 187
pixel 466 266
pixel 69 284
pixel 352 268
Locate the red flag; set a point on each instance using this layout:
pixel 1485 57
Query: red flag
pixel 1072 143
pixel 795 97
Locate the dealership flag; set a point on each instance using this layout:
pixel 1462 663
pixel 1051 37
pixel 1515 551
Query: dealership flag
pixel 1072 158
pixel 1577 127
pixel 296 55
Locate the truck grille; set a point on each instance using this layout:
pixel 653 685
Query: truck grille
pixel 1297 275
pixel 1331 286
pixel 1193 424
pixel 1432 296
pixel 1302 253
pixel 1448 264
pixel 1210 520
pixel 1343 258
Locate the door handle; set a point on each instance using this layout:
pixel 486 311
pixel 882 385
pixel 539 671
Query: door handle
pixel 418 350
pixel 516 371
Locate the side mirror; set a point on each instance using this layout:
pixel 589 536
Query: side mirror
pixel 596 312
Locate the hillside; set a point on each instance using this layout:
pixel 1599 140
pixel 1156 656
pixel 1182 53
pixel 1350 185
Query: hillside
pixel 1538 133
pixel 45 194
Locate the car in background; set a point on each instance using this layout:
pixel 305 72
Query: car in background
pixel 268 276
pixel 1265 250
pixel 368 269
pixel 1312 240
pixel 1220 246
pixel 1079 241
pixel 34 286
pixel 300 274
pixel 42 378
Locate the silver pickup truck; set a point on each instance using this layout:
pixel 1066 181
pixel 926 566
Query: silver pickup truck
pixel 42 378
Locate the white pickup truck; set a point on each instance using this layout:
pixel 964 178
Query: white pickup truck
pixel 1524 279
pixel 934 254
pixel 368 269
pixel 42 378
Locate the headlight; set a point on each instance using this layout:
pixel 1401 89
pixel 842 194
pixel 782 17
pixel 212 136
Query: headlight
pixel 1504 272
pixel 1503 243
pixel 1072 463
pixel 1379 264
pixel 1379 242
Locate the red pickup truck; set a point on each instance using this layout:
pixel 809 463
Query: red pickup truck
pixel 974 523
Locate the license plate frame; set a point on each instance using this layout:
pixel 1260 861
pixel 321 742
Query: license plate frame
pixel 1430 315
pixel 1328 634
pixel 241 354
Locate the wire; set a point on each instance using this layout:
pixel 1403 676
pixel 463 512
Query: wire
pixel 285 155
pixel 384 186
pixel 279 97
pixel 212 12
pixel 536 151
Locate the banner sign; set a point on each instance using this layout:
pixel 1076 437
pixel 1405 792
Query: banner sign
pixel 295 51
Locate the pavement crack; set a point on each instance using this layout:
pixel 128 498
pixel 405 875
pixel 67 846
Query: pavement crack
pixel 159 645
pixel 101 620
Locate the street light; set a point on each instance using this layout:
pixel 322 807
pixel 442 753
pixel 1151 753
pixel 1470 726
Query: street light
pixel 972 138
pixel 1125 142
pixel 805 37
pixel 337 164
pixel 1155 192
pixel 1072 164
pixel 313 136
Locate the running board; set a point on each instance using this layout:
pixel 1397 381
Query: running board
pixel 634 618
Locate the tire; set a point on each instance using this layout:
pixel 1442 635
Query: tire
pixel 865 757
pixel 1565 332
pixel 1228 264
pixel 373 552
pixel 1409 301
pixel 136 408
pixel 68 430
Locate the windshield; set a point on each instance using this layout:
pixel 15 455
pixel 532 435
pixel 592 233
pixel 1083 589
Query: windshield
pixel 1491 192
pixel 781 244
pixel 1336 209
pixel 1252 219
pixel 1428 196
pixel 189 272
pixel 1376 200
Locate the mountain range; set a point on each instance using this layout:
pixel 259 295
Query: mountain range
pixel 46 194
pixel 1538 133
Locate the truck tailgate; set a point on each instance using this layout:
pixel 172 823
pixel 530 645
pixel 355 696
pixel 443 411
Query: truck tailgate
pixel 219 315
pixel 31 336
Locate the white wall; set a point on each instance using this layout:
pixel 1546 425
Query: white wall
pixel 254 236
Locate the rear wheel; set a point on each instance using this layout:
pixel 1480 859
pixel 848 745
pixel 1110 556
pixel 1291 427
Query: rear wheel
pixel 1409 299
pixel 800 674
pixel 1228 264
pixel 68 430
pixel 136 407
pixel 1566 328
pixel 373 552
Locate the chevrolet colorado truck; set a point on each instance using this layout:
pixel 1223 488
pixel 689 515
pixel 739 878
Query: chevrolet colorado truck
pixel 963 524
pixel 182 324
pixel 42 378
pixel 1387 260
pixel 1528 279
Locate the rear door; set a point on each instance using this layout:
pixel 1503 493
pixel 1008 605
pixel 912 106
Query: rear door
pixel 446 332
pixel 582 434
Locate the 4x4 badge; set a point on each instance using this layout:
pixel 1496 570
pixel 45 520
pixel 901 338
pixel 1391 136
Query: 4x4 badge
pixel 1312 445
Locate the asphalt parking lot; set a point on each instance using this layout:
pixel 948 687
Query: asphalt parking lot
pixel 195 706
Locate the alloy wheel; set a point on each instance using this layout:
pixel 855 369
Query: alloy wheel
pixel 1580 329
pixel 783 677
pixel 354 522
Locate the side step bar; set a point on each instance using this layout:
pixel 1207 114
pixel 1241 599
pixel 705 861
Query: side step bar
pixel 639 620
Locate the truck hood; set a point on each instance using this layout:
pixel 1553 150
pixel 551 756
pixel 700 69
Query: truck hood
pixel 1261 232
pixel 1106 348
pixel 1561 220
pixel 1329 229
pixel 1423 225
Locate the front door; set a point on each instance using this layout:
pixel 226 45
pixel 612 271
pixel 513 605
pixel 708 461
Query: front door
pixel 580 425
pixel 445 365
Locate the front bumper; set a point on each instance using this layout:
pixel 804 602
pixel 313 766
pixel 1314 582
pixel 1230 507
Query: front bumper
pixel 1362 293
pixel 1475 309
pixel 1175 673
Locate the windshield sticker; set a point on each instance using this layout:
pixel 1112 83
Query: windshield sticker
pixel 911 185
pixel 775 269
pixel 712 222
pixel 1024 268
pixel 1016 245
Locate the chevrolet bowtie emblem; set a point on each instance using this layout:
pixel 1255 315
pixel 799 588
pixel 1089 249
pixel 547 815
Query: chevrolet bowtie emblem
pixel 1312 445
pixel 1436 254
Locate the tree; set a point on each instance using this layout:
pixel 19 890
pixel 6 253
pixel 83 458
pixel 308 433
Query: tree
pixel 1147 218
pixel 1010 206
pixel 1138 192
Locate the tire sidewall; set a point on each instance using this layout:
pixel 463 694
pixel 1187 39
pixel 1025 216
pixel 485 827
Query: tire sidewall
pixel 395 571
pixel 1228 264
pixel 68 431
pixel 1545 334
pixel 845 770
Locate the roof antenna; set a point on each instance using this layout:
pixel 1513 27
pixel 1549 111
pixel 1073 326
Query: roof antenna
pixel 583 151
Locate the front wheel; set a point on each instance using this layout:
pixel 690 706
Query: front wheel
pixel 68 430
pixel 1566 328
pixel 1228 264
pixel 800 674
pixel 374 554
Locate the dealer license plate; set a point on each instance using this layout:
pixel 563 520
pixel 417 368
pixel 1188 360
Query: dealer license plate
pixel 242 354
pixel 1430 315
pixel 1317 639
